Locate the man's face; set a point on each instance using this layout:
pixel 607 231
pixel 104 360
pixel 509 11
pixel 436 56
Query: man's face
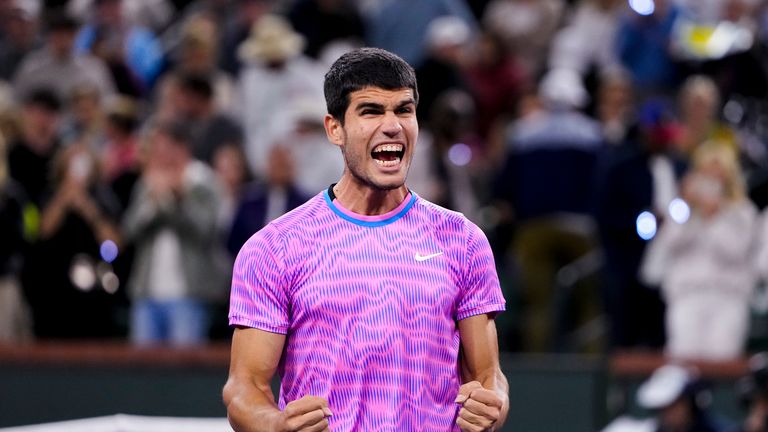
pixel 378 136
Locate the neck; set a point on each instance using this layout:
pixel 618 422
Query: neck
pixel 366 200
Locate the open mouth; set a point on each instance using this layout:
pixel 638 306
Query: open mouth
pixel 388 155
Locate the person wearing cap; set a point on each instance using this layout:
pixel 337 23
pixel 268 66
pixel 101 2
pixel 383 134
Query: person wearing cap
pixel 679 401
pixel 275 78
pixel 545 184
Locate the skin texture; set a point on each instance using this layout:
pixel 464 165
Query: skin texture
pixel 374 117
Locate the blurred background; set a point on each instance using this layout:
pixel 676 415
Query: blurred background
pixel 615 152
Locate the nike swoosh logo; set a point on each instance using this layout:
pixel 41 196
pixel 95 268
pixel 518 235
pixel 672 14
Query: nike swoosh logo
pixel 419 257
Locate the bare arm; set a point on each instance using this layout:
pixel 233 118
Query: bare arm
pixel 485 393
pixel 248 396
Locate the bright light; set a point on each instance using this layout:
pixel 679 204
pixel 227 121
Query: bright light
pixel 646 225
pixel 643 7
pixel 81 273
pixel 108 251
pixel 460 154
pixel 679 211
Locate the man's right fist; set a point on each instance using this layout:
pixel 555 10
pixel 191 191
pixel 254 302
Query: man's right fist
pixel 308 414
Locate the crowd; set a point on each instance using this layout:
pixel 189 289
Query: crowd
pixel 613 151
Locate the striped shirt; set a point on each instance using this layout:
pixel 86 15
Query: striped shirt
pixel 369 306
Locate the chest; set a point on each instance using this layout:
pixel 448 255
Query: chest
pixel 382 275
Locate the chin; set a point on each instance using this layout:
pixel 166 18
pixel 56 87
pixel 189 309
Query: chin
pixel 388 184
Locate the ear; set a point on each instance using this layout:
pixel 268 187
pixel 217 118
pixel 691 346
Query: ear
pixel 334 130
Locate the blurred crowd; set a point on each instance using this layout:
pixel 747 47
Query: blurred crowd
pixel 615 153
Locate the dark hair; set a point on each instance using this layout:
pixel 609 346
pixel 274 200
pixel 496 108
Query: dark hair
pixel 177 130
pixel 60 20
pixel 198 84
pixel 44 98
pixel 365 67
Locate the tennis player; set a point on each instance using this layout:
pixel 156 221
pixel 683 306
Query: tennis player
pixel 373 305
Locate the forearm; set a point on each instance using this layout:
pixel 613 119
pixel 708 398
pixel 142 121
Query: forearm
pixel 251 408
pixel 52 218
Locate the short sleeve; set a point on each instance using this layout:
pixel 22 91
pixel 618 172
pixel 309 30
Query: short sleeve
pixel 259 296
pixel 480 291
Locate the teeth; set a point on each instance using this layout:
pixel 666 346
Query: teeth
pixel 389 163
pixel 388 148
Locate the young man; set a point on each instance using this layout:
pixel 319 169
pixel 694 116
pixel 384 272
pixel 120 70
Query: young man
pixel 375 306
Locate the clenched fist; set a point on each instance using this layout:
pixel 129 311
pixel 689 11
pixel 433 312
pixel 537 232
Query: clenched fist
pixel 308 414
pixel 480 407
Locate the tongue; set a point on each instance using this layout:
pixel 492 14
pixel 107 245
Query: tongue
pixel 385 156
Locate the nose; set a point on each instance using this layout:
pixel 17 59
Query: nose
pixel 391 126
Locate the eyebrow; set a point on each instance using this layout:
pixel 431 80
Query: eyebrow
pixel 378 106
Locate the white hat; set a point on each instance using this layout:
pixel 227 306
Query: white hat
pixel 665 386
pixel 447 30
pixel 563 87
pixel 272 39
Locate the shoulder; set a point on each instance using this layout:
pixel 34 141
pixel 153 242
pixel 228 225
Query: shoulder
pixel 444 220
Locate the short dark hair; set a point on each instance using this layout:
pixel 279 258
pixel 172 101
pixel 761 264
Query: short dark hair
pixel 199 84
pixel 60 21
pixel 43 97
pixel 177 130
pixel 365 67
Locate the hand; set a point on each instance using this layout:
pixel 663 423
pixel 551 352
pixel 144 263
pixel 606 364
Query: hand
pixel 308 414
pixel 160 184
pixel 481 408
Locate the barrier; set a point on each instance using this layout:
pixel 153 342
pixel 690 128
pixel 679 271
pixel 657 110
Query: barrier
pixel 130 423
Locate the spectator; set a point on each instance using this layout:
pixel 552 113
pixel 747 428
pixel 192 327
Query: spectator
pixel 316 161
pixel 30 155
pixel 127 46
pixel 460 172
pixel 15 323
pixel 272 85
pixel 85 119
pixel 703 263
pixel 247 14
pixel 171 221
pixel 635 176
pixel 497 79
pixel 679 401
pixel 19 36
pixel 209 127
pixel 644 48
pixel 324 21
pixel 546 184
pixel 231 168
pixel 75 296
pixel 615 108
pixel 527 28
pixel 58 67
pixel 587 41
pixel 264 201
pixel 198 53
pixel 400 26
pixel 699 105
pixel 448 41
pixel 152 14
pixel 120 156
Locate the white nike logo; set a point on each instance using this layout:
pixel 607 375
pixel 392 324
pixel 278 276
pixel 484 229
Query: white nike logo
pixel 419 257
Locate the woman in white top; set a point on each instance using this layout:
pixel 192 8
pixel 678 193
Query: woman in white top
pixel 703 264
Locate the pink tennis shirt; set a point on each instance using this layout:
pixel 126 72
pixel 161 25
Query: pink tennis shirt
pixel 369 306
